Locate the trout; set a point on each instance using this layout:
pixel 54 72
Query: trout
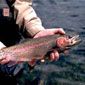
pixel 37 48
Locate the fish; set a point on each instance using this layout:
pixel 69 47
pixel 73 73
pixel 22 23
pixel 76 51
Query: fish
pixel 37 48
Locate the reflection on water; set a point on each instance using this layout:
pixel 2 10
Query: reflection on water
pixel 70 15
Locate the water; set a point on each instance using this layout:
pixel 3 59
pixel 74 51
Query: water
pixel 69 69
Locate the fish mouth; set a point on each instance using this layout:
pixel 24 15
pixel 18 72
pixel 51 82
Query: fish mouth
pixel 74 40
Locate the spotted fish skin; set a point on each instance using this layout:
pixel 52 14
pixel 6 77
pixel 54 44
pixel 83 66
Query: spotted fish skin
pixel 30 49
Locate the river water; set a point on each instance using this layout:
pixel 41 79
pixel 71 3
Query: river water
pixel 70 68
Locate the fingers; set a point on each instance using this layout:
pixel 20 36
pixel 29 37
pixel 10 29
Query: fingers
pixel 4 61
pixel 54 56
pixel 55 31
pixel 59 31
pixel 47 32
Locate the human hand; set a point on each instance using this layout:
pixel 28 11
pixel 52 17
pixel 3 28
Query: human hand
pixel 51 31
pixel 54 55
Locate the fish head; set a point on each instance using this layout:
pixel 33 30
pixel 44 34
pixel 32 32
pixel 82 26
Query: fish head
pixel 66 42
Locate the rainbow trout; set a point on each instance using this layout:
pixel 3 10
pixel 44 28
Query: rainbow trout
pixel 37 48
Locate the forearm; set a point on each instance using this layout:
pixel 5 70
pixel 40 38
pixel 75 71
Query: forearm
pixel 25 15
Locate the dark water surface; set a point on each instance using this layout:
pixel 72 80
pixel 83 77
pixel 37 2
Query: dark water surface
pixel 69 69
pixel 70 15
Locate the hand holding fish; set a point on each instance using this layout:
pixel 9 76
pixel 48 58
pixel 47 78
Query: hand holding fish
pixel 54 55
pixel 37 48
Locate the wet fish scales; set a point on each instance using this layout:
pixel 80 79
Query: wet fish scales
pixel 31 49
pixel 37 48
